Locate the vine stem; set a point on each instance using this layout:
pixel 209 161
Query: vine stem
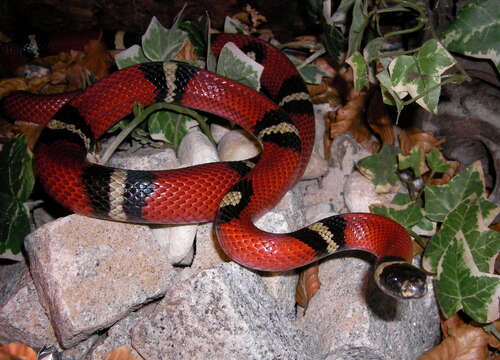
pixel 142 114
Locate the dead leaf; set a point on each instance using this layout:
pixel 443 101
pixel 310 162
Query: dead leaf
pixel 17 351
pixel 409 138
pixel 447 176
pixel 121 353
pixel 350 118
pixel 465 342
pixel 97 59
pixel 308 285
pixel 378 118
pixel 188 52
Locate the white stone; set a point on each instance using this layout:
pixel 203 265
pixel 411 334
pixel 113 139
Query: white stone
pixel 195 148
pixel 237 145
pixel 218 131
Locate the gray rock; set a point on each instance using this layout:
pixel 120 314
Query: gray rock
pixel 351 315
pixel 22 318
pixel 91 273
pixel 221 313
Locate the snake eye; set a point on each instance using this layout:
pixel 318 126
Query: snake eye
pixel 401 280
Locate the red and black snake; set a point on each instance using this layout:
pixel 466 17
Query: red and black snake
pixel 232 194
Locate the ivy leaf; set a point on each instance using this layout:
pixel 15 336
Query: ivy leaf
pixel 16 184
pixel 415 161
pixel 475 31
pixel 310 73
pixel 236 65
pixel 403 210
pixel 388 95
pixel 360 70
pixel 233 26
pixel 460 284
pixel 335 41
pixel 168 126
pixel 440 200
pixel 131 56
pixel 358 25
pixel 469 219
pixel 161 44
pixel 381 168
pixel 420 75
pixel 436 161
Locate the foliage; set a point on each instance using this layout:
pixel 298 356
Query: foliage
pixel 463 251
pixel 16 183
pixel 417 72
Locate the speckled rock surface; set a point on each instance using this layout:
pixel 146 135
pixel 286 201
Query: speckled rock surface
pixel 350 312
pixel 221 313
pixel 91 273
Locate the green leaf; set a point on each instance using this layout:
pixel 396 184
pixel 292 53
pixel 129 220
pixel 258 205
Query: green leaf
pixel 388 95
pixel 340 15
pixel 233 26
pixel 310 73
pixel 236 65
pixel 475 31
pixel 406 215
pixel 372 49
pixel 381 168
pixel 360 70
pixel 334 40
pixel 460 284
pixel 440 200
pixel 131 56
pixel 436 161
pixel 161 44
pixel 415 161
pixel 168 126
pixel 471 217
pixel 420 75
pixel 14 223
pixel 358 25
pixel 198 33
pixel 16 169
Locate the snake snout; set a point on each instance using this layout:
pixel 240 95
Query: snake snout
pixel 401 280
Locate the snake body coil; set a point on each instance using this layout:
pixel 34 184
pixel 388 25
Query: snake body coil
pixel 232 194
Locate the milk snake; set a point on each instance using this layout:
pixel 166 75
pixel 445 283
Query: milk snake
pixel 232 194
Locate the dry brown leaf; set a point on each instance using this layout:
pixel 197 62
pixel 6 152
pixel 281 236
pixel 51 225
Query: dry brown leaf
pixel 17 351
pixel 12 84
pixel 350 118
pixel 97 59
pixel 308 285
pixel 378 118
pixel 412 137
pixel 121 353
pixel 465 342
pixel 187 52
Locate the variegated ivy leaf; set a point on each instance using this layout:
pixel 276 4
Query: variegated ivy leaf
pixel 388 95
pixel 475 31
pixel 233 26
pixel 358 25
pixel 420 75
pixel 236 65
pixel 440 200
pixel 310 73
pixel 131 56
pixel 471 217
pixel 415 160
pixel 436 161
pixel 461 285
pixel 162 44
pixel 360 70
pixel 168 126
pixel 381 168
pixel 403 210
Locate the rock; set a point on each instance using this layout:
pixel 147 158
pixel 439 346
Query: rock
pixel 325 197
pixel 218 131
pixel 221 313
pixel 359 194
pixel 91 273
pixel 195 148
pixel 316 167
pixel 146 158
pixel 22 318
pixel 237 145
pixel 119 334
pixel 351 315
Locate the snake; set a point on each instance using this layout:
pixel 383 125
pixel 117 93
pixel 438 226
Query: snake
pixel 231 194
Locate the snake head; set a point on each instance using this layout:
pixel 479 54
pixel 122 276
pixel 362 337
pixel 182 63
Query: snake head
pixel 400 279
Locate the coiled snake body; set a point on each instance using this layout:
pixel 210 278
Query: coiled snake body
pixel 233 194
